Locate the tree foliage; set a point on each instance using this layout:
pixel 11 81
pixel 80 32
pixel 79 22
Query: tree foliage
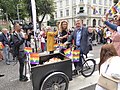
pixel 44 7
pixel 10 7
pixel 115 1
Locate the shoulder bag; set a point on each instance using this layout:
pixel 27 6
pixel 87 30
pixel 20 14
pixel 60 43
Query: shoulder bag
pixel 107 82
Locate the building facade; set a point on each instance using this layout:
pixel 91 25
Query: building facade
pixel 73 9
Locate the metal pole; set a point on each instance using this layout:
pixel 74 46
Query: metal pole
pixel 18 12
pixel 34 20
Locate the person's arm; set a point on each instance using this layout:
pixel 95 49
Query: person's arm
pixel 112 26
pixel 17 41
pixel 118 29
pixel 70 38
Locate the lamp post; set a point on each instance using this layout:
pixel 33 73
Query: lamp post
pixel 18 15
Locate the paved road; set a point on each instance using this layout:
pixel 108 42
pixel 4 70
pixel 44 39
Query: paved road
pixel 10 80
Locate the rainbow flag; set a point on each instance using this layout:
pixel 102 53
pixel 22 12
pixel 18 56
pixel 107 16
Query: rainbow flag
pixel 1 45
pixel 76 55
pixel 112 10
pixel 62 46
pixel 34 58
pixel 68 53
pixel 95 11
pixel 28 50
pixel 56 45
pixel 117 7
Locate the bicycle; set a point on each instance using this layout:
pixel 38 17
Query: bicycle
pixel 88 65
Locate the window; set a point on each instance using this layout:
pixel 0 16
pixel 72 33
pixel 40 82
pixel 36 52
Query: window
pixel 105 10
pixel 100 2
pixel 105 2
pixel 81 10
pixel 61 13
pixel 55 14
pixel 110 2
pixel 67 2
pixel 94 1
pixel 67 12
pixel 88 10
pixel 74 11
pixel 74 2
pixel 87 22
pixel 60 3
pixel 99 22
pixel 94 11
pixel 100 11
pixel 81 0
pixel 94 22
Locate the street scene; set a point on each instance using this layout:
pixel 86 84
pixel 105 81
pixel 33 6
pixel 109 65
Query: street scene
pixel 11 80
pixel 59 44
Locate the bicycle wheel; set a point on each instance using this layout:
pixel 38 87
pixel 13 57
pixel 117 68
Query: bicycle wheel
pixel 55 81
pixel 88 67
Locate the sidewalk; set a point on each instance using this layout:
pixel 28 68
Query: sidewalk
pixel 11 79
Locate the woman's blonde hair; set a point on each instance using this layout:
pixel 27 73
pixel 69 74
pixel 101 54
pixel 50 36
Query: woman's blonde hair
pixel 106 52
pixel 60 25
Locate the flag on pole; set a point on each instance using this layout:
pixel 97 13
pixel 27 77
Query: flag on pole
pixel 76 55
pixel 112 10
pixel 1 45
pixel 117 7
pixel 95 11
pixel 34 58
pixel 68 53
pixel 28 50
pixel 56 45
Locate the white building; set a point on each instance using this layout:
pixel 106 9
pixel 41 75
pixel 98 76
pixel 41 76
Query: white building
pixel 73 9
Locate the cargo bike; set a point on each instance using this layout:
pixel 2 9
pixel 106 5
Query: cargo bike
pixel 56 75
pixel 52 76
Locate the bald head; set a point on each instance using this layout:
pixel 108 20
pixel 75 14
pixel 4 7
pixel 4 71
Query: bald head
pixel 5 30
pixel 48 28
pixel 17 27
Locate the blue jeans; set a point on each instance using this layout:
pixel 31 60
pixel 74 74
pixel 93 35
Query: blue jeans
pixel 6 54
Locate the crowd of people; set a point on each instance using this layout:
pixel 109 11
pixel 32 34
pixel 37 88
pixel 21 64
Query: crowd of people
pixel 109 56
pixel 80 36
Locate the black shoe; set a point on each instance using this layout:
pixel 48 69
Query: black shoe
pixel 1 75
pixel 78 68
pixel 24 79
pixel 74 72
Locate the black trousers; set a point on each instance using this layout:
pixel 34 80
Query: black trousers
pixel 21 59
pixel 51 52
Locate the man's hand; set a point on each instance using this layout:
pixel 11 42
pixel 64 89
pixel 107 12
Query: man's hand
pixel 104 19
pixel 66 43
pixel 106 16
pixel 60 38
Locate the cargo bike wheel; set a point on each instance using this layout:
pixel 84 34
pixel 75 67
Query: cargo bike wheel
pixel 88 67
pixel 55 81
